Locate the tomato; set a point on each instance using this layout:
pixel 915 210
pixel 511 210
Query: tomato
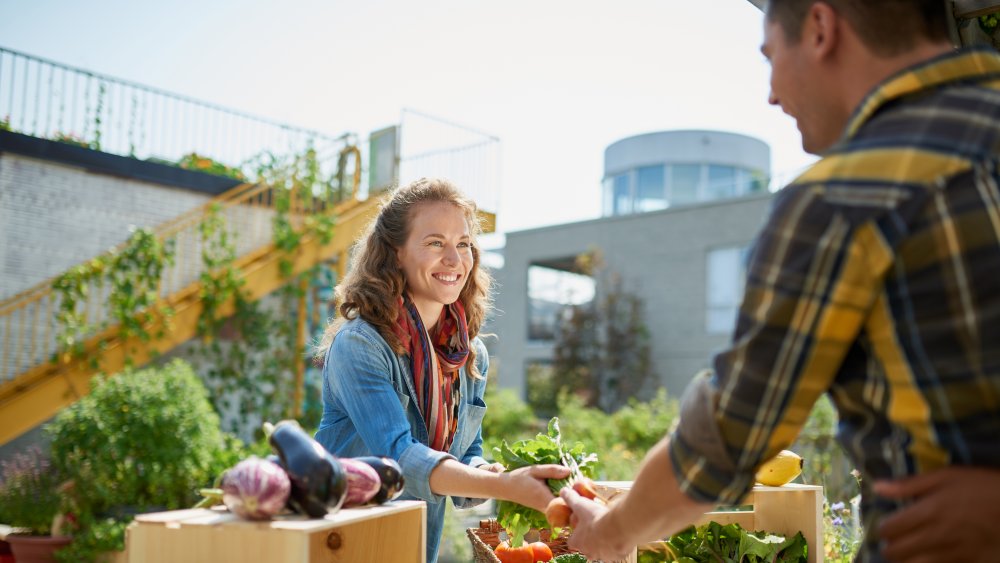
pixel 557 513
pixel 541 552
pixel 507 554
pixel 585 488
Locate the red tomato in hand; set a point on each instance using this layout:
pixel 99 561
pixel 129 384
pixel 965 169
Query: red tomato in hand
pixel 558 513
pixel 507 554
pixel 585 488
pixel 541 552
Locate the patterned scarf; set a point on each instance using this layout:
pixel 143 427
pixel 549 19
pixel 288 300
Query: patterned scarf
pixel 435 376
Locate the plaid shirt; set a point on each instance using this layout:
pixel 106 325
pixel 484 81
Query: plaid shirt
pixel 876 279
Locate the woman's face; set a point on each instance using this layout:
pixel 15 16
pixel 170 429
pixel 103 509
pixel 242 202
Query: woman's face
pixel 436 258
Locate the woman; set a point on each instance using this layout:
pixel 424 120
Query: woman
pixel 404 372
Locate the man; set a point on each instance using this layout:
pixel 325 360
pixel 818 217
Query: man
pixel 875 279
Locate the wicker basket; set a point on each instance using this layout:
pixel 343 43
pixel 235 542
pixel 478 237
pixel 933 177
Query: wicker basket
pixel 486 537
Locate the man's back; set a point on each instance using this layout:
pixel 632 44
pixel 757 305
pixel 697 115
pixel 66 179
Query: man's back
pixel 916 186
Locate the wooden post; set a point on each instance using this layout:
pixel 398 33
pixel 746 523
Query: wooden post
pixel 300 348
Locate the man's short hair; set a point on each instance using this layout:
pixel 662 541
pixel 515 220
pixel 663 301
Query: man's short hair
pixel 887 27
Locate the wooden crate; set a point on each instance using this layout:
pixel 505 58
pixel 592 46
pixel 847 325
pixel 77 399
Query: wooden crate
pixel 395 531
pixel 785 510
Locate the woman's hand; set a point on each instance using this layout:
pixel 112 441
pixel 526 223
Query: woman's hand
pixel 527 485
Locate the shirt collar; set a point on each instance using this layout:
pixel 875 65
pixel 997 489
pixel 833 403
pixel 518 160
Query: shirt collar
pixel 975 64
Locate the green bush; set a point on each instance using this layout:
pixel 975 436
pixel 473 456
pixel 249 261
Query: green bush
pixel 507 418
pixel 140 441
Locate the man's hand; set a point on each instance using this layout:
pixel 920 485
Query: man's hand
pixel 953 516
pixel 595 533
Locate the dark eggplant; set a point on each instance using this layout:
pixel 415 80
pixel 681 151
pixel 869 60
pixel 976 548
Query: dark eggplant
pixel 273 458
pixel 319 482
pixel 391 475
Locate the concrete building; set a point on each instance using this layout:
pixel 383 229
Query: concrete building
pixel 680 210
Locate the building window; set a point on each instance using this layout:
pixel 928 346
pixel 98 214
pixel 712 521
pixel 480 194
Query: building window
pixel 621 195
pixel 650 189
pixel 550 291
pixel 721 182
pixel 684 182
pixel 726 275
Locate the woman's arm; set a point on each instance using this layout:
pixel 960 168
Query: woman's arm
pixel 524 486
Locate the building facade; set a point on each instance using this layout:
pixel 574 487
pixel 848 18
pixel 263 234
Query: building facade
pixel 681 208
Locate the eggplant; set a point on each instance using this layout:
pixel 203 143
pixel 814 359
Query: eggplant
pixel 273 458
pixel 318 480
pixel 255 489
pixel 389 473
pixel 363 482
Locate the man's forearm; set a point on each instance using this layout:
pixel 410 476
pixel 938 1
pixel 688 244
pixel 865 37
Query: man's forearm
pixel 654 507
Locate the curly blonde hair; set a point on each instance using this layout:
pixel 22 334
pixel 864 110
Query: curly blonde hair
pixel 374 283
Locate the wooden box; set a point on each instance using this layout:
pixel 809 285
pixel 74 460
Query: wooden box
pixel 395 532
pixel 785 510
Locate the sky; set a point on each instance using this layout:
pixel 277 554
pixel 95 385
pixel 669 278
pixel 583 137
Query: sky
pixel 556 81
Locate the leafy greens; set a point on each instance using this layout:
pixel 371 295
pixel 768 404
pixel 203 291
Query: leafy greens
pixel 717 543
pixel 542 449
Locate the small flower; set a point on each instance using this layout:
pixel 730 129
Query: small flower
pixel 838 521
pixel 836 506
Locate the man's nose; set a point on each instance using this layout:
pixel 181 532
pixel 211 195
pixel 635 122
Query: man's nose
pixel 772 99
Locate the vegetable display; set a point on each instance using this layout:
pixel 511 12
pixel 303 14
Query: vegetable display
pixel 390 475
pixel 255 489
pixel 713 542
pixel 318 480
pixel 543 449
pixel 363 483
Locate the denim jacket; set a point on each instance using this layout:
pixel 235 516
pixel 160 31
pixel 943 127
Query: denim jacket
pixel 369 409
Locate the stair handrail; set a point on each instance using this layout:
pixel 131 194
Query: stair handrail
pixel 34 309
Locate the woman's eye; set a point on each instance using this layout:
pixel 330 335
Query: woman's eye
pixel 437 243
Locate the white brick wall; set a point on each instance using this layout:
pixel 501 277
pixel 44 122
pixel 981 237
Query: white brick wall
pixel 54 216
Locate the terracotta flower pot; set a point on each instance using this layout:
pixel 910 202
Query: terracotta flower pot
pixel 6 555
pixel 36 549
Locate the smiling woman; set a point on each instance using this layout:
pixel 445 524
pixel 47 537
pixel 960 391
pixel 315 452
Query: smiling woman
pixel 404 371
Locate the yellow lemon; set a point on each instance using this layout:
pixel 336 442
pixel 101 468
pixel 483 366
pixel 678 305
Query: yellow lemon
pixel 780 469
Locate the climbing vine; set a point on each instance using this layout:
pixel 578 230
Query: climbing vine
pixel 250 352
pixel 131 275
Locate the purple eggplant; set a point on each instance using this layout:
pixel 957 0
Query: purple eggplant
pixel 318 480
pixel 255 489
pixel 390 475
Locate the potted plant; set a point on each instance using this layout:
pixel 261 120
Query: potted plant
pixel 30 502
pixel 141 441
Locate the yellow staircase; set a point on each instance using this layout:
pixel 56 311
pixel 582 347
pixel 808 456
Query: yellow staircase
pixel 34 386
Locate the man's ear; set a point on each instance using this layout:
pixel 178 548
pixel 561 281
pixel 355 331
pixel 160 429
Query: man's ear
pixel 821 30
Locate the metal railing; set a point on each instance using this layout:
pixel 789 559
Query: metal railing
pixel 432 146
pixel 47 99
pixel 29 328
pixel 51 100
